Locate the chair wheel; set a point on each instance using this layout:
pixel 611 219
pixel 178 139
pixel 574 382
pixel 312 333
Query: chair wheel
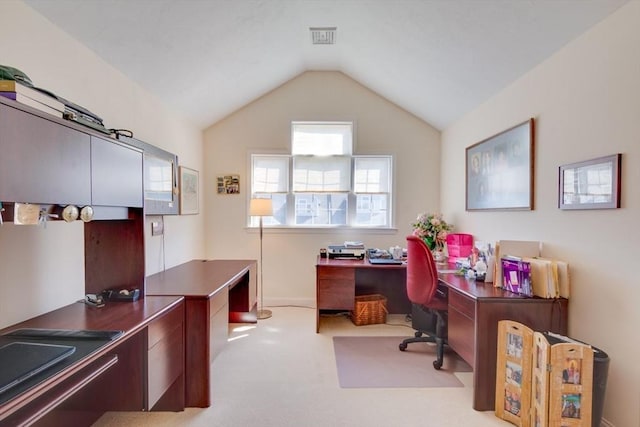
pixel 437 364
pixel 402 346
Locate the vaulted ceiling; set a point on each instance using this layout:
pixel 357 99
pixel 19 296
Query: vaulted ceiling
pixel 437 59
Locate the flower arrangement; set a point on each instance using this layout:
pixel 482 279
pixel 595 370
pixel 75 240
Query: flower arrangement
pixel 431 228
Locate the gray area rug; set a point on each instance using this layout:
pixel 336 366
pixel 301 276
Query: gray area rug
pixel 376 362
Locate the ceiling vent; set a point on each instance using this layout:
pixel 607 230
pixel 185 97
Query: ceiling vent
pixel 323 35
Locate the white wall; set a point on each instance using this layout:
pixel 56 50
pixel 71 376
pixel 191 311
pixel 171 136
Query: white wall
pixel 265 126
pixel 43 269
pixel 586 102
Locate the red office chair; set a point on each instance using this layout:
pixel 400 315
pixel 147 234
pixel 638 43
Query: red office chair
pixel 429 302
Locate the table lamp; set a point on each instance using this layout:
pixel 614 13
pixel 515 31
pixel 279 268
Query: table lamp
pixel 261 208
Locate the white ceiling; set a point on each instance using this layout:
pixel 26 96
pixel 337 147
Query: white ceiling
pixel 437 59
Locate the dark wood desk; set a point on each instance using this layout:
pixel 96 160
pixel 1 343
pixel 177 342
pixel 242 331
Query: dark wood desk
pixel 474 311
pixel 216 292
pixel 338 281
pixel 143 369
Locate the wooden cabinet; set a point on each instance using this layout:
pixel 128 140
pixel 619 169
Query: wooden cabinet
pixel 218 322
pixel 141 370
pixel 51 162
pixel 165 364
pixel 116 174
pixel 42 161
pixel 214 291
pixel 461 333
pixel 336 288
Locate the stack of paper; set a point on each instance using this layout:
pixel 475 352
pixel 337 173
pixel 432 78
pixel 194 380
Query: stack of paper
pixel 549 278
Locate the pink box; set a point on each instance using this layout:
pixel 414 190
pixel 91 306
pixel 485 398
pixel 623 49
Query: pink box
pixel 459 245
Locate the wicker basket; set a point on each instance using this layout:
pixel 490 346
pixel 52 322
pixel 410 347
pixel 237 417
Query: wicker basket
pixel 369 310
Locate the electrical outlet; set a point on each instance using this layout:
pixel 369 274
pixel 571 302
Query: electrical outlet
pixel 157 228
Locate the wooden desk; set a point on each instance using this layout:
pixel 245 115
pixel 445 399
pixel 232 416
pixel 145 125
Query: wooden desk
pixel 338 281
pixel 216 292
pixel 140 370
pixel 474 311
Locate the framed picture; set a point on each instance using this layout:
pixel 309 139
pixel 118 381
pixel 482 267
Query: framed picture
pixel 499 170
pixel 592 184
pixel 228 184
pixel 189 193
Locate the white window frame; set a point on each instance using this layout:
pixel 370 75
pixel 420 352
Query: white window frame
pixel 287 218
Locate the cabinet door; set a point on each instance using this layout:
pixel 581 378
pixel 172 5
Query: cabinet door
pixel 336 288
pixel 116 174
pixel 165 361
pixel 42 161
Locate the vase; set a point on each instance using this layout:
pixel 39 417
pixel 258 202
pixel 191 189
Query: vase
pixel 438 255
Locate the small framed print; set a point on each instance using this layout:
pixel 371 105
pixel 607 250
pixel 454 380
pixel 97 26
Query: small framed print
pixel 228 184
pixel 189 193
pixel 591 184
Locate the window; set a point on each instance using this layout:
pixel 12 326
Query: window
pixel 321 183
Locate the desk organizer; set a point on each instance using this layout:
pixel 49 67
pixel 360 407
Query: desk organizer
pixel 369 310
pixel 119 296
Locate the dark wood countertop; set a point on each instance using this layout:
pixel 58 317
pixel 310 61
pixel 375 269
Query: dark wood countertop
pixel 198 278
pixel 469 287
pixel 130 317
pixel 355 263
pixel 475 289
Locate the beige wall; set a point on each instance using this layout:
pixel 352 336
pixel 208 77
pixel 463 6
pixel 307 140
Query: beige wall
pixel 586 102
pixel 43 269
pixel 264 126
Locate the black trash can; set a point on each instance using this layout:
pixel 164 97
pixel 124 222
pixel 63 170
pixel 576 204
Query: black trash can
pixel 600 376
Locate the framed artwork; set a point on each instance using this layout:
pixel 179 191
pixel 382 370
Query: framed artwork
pixel 189 193
pixel 228 184
pixel 591 184
pixel 499 170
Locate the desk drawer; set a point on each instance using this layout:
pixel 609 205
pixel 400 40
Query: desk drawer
pixel 336 294
pixel 218 323
pixel 336 273
pixel 461 335
pixel 162 328
pixel 462 304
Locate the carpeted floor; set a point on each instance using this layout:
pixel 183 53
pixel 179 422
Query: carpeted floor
pixel 281 373
pixel 376 361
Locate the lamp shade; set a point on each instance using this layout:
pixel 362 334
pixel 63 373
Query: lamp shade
pixel 260 207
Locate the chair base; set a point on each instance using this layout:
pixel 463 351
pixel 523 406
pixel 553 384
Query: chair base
pixel 419 337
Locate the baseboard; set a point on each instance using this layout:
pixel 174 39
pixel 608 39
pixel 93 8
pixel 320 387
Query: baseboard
pixel 290 302
pixel 605 423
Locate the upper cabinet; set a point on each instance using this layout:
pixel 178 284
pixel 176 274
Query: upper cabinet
pixel 49 161
pixel 116 174
pixel 42 161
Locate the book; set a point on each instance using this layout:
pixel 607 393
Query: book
pixel 516 275
pixel 31 103
pixel 518 248
pixel 11 86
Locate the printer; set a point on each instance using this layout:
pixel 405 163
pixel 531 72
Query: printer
pixel 346 251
